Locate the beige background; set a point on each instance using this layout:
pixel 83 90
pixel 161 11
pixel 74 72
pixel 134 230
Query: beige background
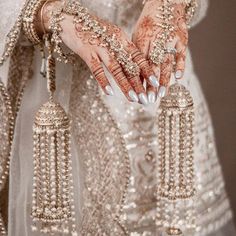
pixel 213 45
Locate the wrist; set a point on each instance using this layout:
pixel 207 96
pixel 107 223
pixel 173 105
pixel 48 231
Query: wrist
pixel 44 16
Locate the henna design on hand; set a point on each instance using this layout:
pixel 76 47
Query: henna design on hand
pixel 86 37
pixel 95 41
pixel 98 72
pixel 119 75
pixel 150 29
pixel 146 30
pixel 166 70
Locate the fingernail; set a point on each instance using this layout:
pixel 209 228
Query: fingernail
pixel 153 80
pixel 133 96
pixel 109 90
pixel 178 74
pixel 143 98
pixel 151 97
pixel 162 92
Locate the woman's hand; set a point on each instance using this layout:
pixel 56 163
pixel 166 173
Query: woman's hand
pixel 96 55
pixel 147 33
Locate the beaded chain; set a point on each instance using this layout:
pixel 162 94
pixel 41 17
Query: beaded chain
pixel 30 19
pixel 56 29
pixel 158 53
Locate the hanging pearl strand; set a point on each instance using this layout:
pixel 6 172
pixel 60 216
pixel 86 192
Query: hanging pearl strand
pixel 5 174
pixel 69 176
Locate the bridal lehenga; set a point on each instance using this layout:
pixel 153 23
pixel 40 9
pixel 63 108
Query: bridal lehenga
pixel 114 143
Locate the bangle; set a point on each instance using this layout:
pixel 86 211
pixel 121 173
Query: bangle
pixel 29 20
pixel 42 14
pixel 41 17
pixel 56 29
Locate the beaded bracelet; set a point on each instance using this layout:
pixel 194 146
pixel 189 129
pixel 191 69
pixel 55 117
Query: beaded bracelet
pixel 56 29
pixel 30 17
pixel 29 20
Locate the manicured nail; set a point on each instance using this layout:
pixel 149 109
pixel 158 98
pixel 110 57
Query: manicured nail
pixel 178 74
pixel 133 96
pixel 143 98
pixel 151 97
pixel 162 92
pixel 109 90
pixel 153 80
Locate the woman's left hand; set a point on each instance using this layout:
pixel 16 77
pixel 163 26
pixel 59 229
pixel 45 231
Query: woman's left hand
pixel 147 33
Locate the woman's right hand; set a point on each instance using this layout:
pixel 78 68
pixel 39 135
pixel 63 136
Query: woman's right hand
pixel 96 56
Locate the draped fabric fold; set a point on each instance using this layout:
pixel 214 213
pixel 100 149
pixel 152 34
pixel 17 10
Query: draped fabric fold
pixel 11 22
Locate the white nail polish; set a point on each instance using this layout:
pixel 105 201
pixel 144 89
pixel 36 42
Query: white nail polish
pixel 153 80
pixel 109 90
pixel 133 96
pixel 151 97
pixel 162 92
pixel 178 74
pixel 143 98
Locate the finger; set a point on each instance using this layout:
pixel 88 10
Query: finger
pixel 137 84
pixel 117 72
pixel 156 69
pixel 155 56
pixel 123 82
pixel 181 47
pixel 151 93
pixel 165 74
pixel 147 71
pixel 98 72
pixel 180 60
pixel 134 78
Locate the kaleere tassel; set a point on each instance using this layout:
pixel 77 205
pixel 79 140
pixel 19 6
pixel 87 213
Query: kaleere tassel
pixel 53 207
pixel 176 137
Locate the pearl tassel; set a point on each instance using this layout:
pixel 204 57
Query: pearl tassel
pixel 176 167
pixel 53 208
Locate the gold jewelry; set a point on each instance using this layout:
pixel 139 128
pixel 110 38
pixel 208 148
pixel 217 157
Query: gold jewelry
pixel 90 24
pixel 43 64
pixel 176 143
pixel 41 15
pixel 29 20
pixel 170 50
pixel 157 55
pixel 53 208
pixel 56 30
pixel 190 8
pixel 8 129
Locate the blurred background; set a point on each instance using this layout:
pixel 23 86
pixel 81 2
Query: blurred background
pixel 213 46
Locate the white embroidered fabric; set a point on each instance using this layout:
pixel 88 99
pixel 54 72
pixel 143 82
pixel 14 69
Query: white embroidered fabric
pixel 9 12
